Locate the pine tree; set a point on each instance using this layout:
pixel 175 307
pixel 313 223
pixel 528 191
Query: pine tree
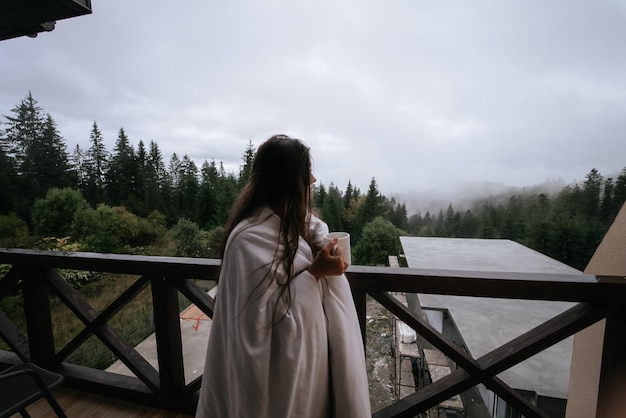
pixel 78 168
pixel 141 162
pixel 332 209
pixel 24 129
pixel 121 176
pixel 207 196
pixel 173 172
pixel 319 194
pixel 227 189
pixel 246 168
pixel 96 164
pixel 607 206
pixel 372 207
pixel 591 190
pixel 348 196
pixel 49 159
pixel 188 189
pixel 157 186
pixel 398 215
pixel 23 133
pixel 619 194
pixel 8 185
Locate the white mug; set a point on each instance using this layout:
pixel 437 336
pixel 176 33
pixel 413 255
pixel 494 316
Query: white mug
pixel 343 242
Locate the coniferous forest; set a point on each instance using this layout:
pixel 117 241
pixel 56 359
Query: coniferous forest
pixel 130 200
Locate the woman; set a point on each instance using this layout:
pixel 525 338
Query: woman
pixel 285 340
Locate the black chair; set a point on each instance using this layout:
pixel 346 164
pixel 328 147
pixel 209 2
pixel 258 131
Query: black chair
pixel 25 383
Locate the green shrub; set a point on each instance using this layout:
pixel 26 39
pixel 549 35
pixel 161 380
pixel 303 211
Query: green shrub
pixel 150 230
pixel 214 242
pixel 53 215
pixel 14 232
pixel 99 230
pixel 190 240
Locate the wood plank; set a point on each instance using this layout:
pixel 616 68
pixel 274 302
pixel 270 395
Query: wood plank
pixel 14 338
pixel 168 337
pixel 38 316
pixel 203 268
pixel 405 349
pixel 8 282
pixel 508 285
pixel 437 372
pixel 77 403
pixel 613 368
pixel 435 358
pixel 197 296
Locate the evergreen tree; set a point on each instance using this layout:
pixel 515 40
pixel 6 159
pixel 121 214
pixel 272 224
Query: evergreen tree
pixel 440 225
pixel 20 144
pixel 513 224
pixel 349 196
pixel 607 206
pixel 24 129
pixel 398 215
pixel 569 201
pixel 452 222
pixel 469 225
pixel 591 190
pixel 246 168
pixel 207 196
pixel 121 176
pixel 173 171
pixel 96 164
pixel 372 208
pixel 157 187
pixel 78 168
pixel 415 223
pixel 188 188
pixel 490 217
pixel 428 228
pixel 46 162
pixel 332 209
pixel 319 194
pixel 619 194
pixel 141 161
pixel 8 185
pixel 227 189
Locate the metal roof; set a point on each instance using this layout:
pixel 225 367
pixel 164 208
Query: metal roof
pixel 30 17
pixel 487 323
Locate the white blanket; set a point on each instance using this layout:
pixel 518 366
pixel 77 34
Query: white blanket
pixel 267 362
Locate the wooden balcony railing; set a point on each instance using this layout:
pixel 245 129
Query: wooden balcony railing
pixel 165 387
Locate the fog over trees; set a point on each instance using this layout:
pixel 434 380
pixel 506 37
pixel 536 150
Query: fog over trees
pixel 129 199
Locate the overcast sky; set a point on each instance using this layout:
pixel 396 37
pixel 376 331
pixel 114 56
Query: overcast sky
pixel 420 95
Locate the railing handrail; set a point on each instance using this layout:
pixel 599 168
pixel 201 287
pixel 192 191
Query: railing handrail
pixel 510 285
pixel 113 263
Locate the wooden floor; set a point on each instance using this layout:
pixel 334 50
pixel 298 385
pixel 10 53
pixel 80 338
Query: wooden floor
pixel 76 404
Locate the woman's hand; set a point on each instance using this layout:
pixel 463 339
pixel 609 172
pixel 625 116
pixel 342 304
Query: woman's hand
pixel 328 262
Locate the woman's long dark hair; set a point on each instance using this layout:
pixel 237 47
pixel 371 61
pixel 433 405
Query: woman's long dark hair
pixel 281 179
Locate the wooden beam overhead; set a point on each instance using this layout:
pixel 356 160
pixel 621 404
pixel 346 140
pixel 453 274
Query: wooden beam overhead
pixel 30 17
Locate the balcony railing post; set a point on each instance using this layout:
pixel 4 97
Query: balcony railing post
pixel 168 337
pixel 38 317
pixel 613 370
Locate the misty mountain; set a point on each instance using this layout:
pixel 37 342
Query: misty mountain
pixel 464 195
